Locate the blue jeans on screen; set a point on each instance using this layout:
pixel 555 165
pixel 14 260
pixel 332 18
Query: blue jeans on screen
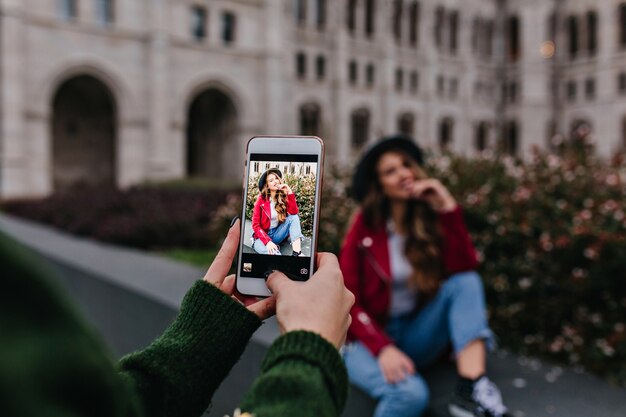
pixel 456 316
pixel 289 228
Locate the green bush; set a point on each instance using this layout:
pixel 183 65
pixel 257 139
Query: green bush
pixel 551 236
pixel 304 189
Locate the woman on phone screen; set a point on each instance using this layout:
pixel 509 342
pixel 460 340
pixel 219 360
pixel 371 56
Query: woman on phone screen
pixel 275 216
pixel 409 261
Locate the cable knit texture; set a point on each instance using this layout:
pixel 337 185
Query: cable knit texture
pixel 194 354
pixel 305 368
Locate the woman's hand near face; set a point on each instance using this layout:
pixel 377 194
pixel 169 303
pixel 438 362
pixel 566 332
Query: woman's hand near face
pixel 434 193
pixel 272 248
pixel 286 188
pixel 395 364
pixel 216 275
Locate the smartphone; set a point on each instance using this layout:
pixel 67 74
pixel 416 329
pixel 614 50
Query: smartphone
pixel 280 213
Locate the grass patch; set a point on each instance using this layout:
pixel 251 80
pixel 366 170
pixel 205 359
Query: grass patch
pixel 196 257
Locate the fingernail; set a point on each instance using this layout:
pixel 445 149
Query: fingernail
pixel 268 273
pixel 232 222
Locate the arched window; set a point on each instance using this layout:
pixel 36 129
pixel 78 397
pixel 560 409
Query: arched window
pixel 488 38
pixel 229 27
pixel 351 15
pixel 397 20
pixel 198 23
pixel 105 12
pixel 552 139
pixel 370 17
pixel 360 125
pixel 320 67
pixel 353 72
pixel 572 34
pixel 482 130
pixel 414 81
pixel 300 65
pixel 320 14
pixel 370 74
pixel 621 83
pixel 476 29
pixel 513 38
pixel 592 32
pixel 552 27
pixel 299 10
pixel 446 133
pixel 509 143
pixel 624 133
pixel 406 124
pixel 399 79
pixel 310 119
pixel 67 9
pixel 414 16
pixel 622 25
pixel 454 31
pixel 438 34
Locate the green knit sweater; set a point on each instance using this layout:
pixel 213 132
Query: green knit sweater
pixel 52 364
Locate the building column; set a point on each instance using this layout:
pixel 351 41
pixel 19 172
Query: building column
pixel 130 151
pixel 339 85
pixel 39 139
pixel 161 165
pixel 278 66
pixel 14 175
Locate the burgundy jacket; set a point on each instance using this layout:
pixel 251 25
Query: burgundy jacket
pixel 262 216
pixel 364 261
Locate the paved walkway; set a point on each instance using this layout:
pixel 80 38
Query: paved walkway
pixel 531 388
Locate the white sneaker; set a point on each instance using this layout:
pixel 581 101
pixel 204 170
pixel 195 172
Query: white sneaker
pixel 486 401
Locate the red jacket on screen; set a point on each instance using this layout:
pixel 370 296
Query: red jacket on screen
pixel 262 216
pixel 364 261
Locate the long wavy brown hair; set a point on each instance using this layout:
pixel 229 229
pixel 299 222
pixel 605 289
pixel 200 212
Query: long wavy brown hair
pixel 424 237
pixel 280 200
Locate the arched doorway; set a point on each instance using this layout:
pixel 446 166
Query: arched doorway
pixel 481 136
pixel 510 140
pixel 310 119
pixel 406 124
pixel 446 134
pixel 83 133
pixel 360 128
pixel 211 131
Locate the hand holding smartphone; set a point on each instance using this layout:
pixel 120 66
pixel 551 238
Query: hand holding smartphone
pixel 279 227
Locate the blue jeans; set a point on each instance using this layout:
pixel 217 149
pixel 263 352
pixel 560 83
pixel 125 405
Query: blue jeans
pixel 289 228
pixel 456 315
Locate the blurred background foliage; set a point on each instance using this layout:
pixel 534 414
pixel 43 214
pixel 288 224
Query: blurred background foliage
pixel 303 186
pixel 550 232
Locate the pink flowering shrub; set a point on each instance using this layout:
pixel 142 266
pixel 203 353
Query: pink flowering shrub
pixel 551 234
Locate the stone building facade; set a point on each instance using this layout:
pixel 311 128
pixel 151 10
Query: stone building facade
pixel 122 92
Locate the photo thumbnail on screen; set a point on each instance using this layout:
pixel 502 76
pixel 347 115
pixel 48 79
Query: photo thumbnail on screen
pixel 279 214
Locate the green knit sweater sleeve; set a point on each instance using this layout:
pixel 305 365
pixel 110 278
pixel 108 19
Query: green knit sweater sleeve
pixel 302 375
pixel 178 373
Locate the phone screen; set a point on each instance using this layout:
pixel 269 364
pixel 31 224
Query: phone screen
pixel 279 215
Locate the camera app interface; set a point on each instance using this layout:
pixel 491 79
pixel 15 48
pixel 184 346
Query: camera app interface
pixel 279 208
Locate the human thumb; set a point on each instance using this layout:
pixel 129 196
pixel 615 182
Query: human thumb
pixel 276 280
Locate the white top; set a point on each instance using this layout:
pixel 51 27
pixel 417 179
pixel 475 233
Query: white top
pixel 274 218
pixel 403 298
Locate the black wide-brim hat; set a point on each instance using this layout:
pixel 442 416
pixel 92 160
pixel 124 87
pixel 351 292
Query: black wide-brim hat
pixel 365 174
pixel 263 177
